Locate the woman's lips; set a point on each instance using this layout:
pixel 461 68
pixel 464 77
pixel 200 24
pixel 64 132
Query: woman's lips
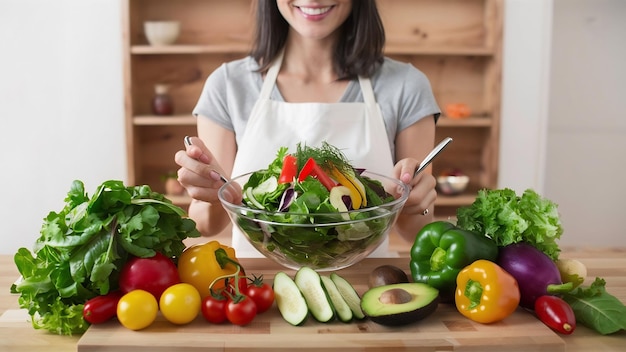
pixel 314 13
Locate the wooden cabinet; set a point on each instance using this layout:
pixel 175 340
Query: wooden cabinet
pixel 457 43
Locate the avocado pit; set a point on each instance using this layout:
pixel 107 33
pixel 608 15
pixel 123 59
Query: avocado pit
pixel 395 296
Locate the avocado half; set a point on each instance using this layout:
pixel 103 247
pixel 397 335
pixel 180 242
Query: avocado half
pixel 399 304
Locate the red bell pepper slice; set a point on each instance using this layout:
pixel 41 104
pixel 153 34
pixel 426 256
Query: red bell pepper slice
pixel 289 170
pixel 311 168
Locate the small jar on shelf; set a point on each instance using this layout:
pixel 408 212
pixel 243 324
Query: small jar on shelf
pixel 162 104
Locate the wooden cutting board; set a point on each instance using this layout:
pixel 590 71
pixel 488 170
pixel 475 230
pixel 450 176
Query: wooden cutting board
pixel 444 330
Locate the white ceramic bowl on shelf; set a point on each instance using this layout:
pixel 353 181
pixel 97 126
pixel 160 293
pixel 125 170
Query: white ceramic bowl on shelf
pixel 452 185
pixel 161 32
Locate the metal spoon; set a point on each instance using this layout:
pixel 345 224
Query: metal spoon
pixel 433 153
pixel 187 141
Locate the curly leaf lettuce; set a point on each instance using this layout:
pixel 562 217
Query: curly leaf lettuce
pixel 83 247
pixel 508 218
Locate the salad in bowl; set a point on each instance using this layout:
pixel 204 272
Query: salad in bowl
pixel 312 208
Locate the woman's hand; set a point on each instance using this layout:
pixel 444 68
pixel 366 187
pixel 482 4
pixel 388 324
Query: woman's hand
pixel 418 209
pixel 423 195
pixel 200 173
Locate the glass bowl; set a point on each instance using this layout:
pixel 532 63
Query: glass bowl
pixel 321 241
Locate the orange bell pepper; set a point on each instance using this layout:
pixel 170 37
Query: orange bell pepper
pixel 485 292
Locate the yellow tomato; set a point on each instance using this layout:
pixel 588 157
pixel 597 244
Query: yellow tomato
pixel 180 303
pixel 137 309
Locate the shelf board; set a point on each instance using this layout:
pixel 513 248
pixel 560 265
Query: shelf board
pixel 244 48
pixel 472 121
pixel 455 201
pixel 154 120
pixel 221 48
pixel 409 48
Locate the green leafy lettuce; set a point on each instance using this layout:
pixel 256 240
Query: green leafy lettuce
pixel 508 218
pixel 83 247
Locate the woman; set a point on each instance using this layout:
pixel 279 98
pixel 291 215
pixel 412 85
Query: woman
pixel 316 73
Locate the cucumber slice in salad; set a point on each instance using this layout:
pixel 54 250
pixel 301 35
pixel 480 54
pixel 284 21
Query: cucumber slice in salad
pixel 310 284
pixel 289 300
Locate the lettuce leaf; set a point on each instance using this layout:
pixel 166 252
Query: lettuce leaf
pixel 83 247
pixel 597 309
pixel 508 218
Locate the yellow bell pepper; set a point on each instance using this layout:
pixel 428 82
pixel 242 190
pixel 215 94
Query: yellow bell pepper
pixel 485 292
pixel 202 264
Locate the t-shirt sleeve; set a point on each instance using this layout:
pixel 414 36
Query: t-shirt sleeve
pixel 213 100
pixel 418 100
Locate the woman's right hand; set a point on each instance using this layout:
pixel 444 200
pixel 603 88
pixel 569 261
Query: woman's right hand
pixel 200 174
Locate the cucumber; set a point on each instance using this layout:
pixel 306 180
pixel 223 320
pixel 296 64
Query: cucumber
pixel 310 284
pixel 349 294
pixel 289 300
pixel 344 313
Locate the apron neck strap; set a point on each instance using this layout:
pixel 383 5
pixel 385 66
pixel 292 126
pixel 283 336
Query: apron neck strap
pixel 270 77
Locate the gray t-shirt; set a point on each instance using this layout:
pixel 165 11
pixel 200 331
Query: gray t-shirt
pixel 401 90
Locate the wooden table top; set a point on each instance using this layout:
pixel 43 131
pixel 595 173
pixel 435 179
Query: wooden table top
pixel 17 334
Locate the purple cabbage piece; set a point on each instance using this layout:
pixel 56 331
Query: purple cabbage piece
pixel 347 201
pixel 287 198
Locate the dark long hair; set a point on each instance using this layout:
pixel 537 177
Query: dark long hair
pixel 358 52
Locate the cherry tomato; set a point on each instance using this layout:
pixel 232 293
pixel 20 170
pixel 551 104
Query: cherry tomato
pixel 137 309
pixel 153 274
pixel 241 311
pixel 242 282
pixel 101 308
pixel 180 303
pixel 261 293
pixel 214 309
pixel 556 314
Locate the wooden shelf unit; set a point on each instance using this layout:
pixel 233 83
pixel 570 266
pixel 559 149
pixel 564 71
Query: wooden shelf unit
pixel 456 43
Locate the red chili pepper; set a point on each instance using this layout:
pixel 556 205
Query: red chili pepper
pixel 102 308
pixel 311 168
pixel 556 314
pixel 289 170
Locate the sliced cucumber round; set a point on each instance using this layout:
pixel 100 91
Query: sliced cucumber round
pixel 310 284
pixel 349 294
pixel 289 299
pixel 342 309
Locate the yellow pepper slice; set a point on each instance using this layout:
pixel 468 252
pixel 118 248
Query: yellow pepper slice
pixel 357 190
pixel 485 292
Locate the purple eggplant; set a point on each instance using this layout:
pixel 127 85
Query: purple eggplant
pixel 536 274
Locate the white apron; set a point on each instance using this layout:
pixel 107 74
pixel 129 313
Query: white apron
pixel 357 129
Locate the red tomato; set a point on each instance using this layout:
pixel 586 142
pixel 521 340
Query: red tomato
pixel 101 308
pixel 242 311
pixel 242 282
pixel 556 314
pixel 214 309
pixel 153 274
pixel 262 294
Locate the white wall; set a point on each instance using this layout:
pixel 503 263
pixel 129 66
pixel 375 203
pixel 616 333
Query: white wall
pixel 61 108
pixel 586 163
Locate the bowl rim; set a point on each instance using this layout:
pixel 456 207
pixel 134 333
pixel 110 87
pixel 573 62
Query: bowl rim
pixel 404 195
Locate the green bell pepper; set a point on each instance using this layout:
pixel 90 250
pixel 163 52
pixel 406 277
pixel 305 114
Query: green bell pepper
pixel 441 250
